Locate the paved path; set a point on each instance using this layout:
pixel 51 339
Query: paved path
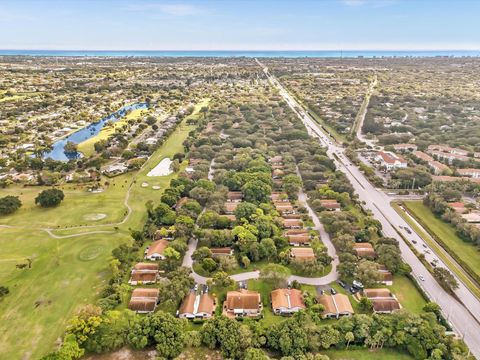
pixel 363 113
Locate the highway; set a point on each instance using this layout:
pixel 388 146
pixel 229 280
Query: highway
pixel 465 317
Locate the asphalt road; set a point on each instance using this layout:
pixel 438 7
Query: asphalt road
pixel 463 317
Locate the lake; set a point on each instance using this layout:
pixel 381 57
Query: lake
pixel 83 134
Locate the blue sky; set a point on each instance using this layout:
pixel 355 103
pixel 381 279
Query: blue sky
pixel 240 25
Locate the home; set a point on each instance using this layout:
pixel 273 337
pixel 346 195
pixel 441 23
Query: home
pixel 383 301
pixel 230 207
pixel 405 147
pixel 276 160
pixel 390 160
pixel 277 174
pixel 364 249
pixel 335 305
pixel 234 196
pixel 287 301
pixel 219 252
pixel 473 217
pixel 450 157
pixel 446 149
pixel 298 237
pixel 458 207
pixel 144 273
pixel 155 250
pixel 330 205
pixel 143 300
pixel 473 173
pixel 242 303
pixel 197 306
pixel 386 277
pixel 284 208
pixel 279 197
pixel 292 223
pixel 302 254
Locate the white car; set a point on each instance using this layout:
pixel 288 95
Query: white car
pixel 421 277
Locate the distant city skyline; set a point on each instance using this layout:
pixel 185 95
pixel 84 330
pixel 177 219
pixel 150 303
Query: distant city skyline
pixel 239 25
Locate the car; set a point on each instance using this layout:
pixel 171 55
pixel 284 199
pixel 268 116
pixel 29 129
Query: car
pixel 408 230
pixel 333 291
pixel 424 245
pixel 195 287
pixel 414 241
pixel 421 277
pixel 342 284
pixel 353 290
pixel 357 284
pixel 322 292
pixel 427 251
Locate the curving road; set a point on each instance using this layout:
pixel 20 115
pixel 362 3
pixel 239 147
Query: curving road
pixel 464 316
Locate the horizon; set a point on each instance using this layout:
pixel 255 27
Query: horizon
pixel 214 25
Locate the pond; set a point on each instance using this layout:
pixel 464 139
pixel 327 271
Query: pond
pixel 83 134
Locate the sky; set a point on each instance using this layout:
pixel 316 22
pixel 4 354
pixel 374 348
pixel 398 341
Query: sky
pixel 240 24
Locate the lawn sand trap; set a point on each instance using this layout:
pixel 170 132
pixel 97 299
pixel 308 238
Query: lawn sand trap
pixel 162 169
pixel 156 187
pixel 145 184
pixel 94 217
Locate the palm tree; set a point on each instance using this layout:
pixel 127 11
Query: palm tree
pixel 349 337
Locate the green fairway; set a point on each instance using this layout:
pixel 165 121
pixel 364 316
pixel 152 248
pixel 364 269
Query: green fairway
pixel 366 354
pixel 447 238
pixel 68 271
pixel 65 273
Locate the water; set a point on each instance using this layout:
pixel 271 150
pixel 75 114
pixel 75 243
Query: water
pixel 58 151
pixel 250 54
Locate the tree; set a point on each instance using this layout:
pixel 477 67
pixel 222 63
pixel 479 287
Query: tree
pixel 275 274
pixel 349 337
pixel 225 333
pixel 222 280
pixel 4 291
pixel 209 264
pixel 268 250
pixel 70 147
pixel 164 215
pixel 365 304
pixel 291 185
pixel 256 191
pixel 49 198
pixel 9 204
pixel 367 272
pixel 255 354
pixel 202 253
pixel 433 308
pixel 445 279
pixel 245 210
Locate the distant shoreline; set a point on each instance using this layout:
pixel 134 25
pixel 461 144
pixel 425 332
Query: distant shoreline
pixel 247 53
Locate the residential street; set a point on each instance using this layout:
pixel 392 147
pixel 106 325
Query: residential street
pixel 464 318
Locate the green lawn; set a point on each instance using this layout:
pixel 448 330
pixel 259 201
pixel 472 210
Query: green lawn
pixel 407 294
pixel 366 354
pixel 67 272
pixel 265 289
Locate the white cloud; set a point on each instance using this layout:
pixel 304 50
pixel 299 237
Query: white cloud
pixel 353 2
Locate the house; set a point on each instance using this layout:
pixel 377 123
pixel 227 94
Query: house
pixel 335 305
pixel 197 306
pixel 242 303
pixel 450 157
pixel 386 276
pixel 230 217
pixel 234 196
pixel 330 205
pixel 287 301
pixel 276 160
pixel 454 178
pixel 473 173
pixel 437 167
pixel 279 197
pixel 143 300
pixel 364 249
pixel 277 174
pixel 446 149
pixel 298 237
pixel 458 207
pixel 473 217
pixel 230 207
pixel 405 147
pixel 155 250
pixel 284 208
pixel 390 160
pixel 144 273
pixel 219 252
pixel 383 301
pixel 302 254
pixel 292 223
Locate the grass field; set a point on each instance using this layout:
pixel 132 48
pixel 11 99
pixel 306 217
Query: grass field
pixel 67 272
pixel 453 244
pixel 407 294
pixel 366 354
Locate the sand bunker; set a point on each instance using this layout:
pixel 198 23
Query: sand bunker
pixel 162 169
pixel 94 217
pixel 145 184
pixel 155 187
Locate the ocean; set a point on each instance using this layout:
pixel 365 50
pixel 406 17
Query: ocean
pixel 249 54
